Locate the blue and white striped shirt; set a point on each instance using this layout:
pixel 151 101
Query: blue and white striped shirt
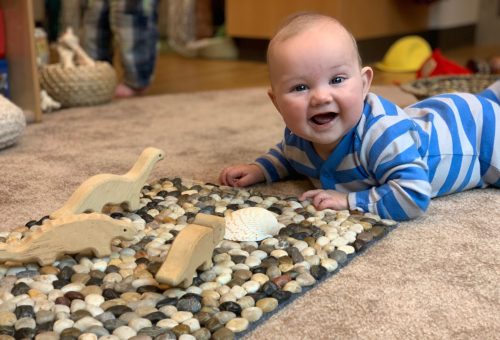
pixel 395 160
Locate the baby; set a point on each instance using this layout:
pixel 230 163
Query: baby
pixel 363 151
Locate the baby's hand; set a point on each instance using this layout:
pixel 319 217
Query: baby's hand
pixel 241 175
pixel 323 199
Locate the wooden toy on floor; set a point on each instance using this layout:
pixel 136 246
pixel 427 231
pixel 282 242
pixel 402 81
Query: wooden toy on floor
pixel 102 189
pixel 68 235
pixel 192 248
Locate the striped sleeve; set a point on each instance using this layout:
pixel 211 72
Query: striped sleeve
pixel 274 164
pixel 291 157
pixel 389 148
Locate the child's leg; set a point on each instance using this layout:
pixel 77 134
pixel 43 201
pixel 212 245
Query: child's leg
pixel 492 92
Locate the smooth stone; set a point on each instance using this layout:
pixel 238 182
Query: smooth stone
pixel 181 329
pixel 189 304
pixel 25 333
pixel 230 306
pixel 139 323
pixel 252 314
pixel 25 323
pixel 62 324
pixel 237 325
pixel 202 334
pixel 7 318
pixel 25 311
pixel 267 304
pixel 223 333
pixel 124 332
pixel 49 335
pixel 86 322
pixel 113 324
pixel 246 301
pixel 181 316
pixel 339 256
pixel 99 331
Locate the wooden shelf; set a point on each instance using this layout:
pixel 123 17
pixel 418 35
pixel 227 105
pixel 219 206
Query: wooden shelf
pixel 21 56
pixel 365 19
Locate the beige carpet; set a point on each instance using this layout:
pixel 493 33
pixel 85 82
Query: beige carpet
pixel 435 277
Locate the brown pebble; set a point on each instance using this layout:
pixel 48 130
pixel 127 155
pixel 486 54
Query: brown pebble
pixel 377 231
pixel 181 329
pixel 282 280
pixel 202 334
pixel 223 334
pixel 49 270
pixel 365 236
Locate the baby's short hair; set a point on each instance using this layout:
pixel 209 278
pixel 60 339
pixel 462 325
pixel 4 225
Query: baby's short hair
pixel 298 22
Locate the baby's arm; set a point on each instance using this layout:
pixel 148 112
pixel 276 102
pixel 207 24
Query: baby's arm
pixel 241 175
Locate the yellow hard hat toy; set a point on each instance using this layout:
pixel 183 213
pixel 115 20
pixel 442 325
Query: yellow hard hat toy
pixel 406 54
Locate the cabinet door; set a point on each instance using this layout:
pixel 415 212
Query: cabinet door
pixel 21 56
pixel 365 19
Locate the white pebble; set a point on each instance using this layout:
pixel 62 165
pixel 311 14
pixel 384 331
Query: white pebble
pixel 139 323
pixel 223 278
pixel 252 314
pixel 251 286
pixel 228 297
pixel 329 264
pixel 62 324
pixel 167 323
pixel 87 336
pixel 181 316
pixel 94 299
pixel 77 304
pixel 252 261
pixel 75 286
pixel 168 310
pixel 260 278
pixel 193 324
pixel 347 249
pixel 87 322
pixel 124 332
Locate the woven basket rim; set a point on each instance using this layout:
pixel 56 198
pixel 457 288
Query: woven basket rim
pixel 421 91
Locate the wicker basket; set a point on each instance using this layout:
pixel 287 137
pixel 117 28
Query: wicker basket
pixel 426 87
pixel 81 85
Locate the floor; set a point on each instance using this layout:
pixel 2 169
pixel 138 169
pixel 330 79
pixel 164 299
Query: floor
pixel 175 73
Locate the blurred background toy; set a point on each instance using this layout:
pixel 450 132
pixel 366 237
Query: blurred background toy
pixel 406 54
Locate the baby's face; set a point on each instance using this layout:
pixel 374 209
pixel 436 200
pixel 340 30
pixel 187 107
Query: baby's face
pixel 318 85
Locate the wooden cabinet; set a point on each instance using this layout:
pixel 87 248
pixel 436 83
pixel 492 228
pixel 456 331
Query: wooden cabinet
pixel 365 19
pixel 21 56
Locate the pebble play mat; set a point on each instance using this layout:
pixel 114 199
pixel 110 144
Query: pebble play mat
pixel 118 297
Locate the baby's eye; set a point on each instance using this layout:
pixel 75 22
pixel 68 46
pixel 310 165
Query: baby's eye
pixel 300 87
pixel 336 80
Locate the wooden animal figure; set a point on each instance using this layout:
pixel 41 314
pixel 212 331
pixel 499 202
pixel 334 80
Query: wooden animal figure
pixel 192 248
pixel 99 190
pixel 68 235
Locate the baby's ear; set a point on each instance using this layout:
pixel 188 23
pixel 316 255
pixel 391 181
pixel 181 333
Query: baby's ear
pixel 366 77
pixel 271 96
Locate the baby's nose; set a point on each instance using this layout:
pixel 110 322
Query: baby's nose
pixel 321 97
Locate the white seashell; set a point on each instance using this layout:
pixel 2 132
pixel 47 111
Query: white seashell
pixel 251 224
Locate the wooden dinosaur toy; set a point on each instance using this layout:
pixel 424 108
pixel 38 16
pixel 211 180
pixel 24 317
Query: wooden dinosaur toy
pixel 99 190
pixel 68 235
pixel 192 248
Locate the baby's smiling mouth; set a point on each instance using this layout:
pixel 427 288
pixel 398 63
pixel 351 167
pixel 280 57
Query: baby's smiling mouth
pixel 323 118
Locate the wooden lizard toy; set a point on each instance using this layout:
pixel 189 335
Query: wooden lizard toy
pixel 68 235
pixel 192 248
pixel 99 190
